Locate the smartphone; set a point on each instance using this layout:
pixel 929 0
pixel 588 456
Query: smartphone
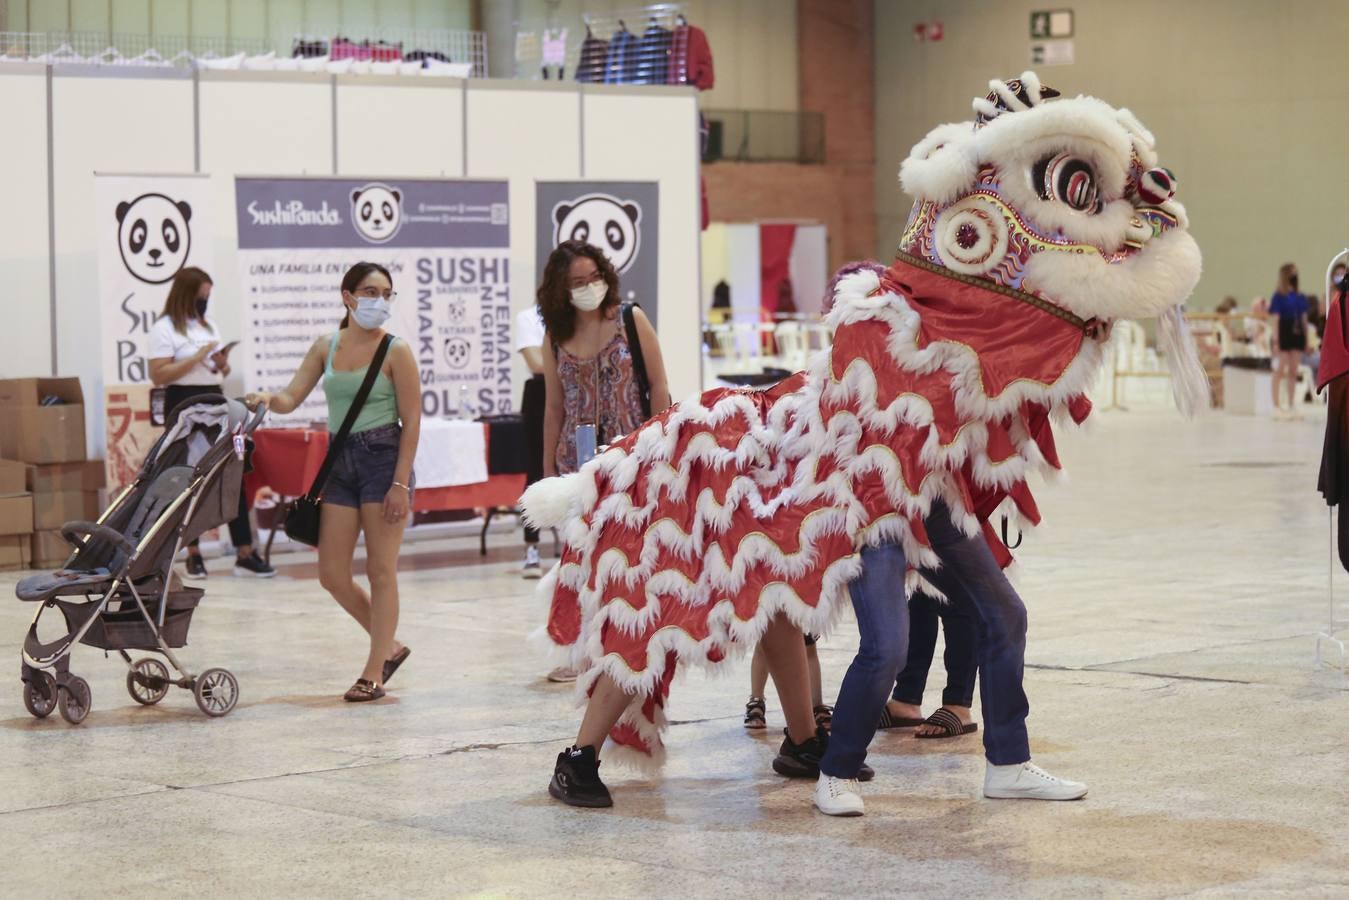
pixel 225 350
pixel 585 444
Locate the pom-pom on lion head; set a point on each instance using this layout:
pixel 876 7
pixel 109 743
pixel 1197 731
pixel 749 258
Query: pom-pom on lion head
pixel 1062 198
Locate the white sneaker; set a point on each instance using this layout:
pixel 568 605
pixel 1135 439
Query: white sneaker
pixel 838 796
pixel 1027 781
pixel 532 568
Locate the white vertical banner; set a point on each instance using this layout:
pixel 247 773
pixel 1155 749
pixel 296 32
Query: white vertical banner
pixel 149 228
pixel 446 243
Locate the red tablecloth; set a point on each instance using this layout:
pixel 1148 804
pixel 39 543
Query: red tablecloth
pixel 287 459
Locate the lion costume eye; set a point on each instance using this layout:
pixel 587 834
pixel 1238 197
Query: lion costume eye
pixel 1069 180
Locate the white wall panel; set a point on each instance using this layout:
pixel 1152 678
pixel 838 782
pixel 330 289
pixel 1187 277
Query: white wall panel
pixel 400 126
pixel 652 135
pixel 25 341
pixel 255 123
pixel 90 134
pixel 523 131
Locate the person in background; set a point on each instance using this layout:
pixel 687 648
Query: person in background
pixel 588 367
pixel 529 341
pixel 904 709
pixel 370 487
pixel 1290 308
pixel 188 360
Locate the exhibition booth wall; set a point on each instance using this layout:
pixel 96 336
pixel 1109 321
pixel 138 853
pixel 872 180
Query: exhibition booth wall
pixel 66 123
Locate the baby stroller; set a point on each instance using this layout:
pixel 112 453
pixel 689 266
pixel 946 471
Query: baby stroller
pixel 117 591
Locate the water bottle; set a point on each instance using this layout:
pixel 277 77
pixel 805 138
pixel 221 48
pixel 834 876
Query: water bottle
pixel 464 412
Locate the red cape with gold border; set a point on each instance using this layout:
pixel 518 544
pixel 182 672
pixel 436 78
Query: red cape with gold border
pixel 691 534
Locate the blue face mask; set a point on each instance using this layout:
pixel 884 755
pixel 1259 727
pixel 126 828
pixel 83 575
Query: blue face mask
pixel 370 312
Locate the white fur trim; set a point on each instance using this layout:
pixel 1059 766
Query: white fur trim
pixel 942 165
pixel 549 503
pixel 1146 284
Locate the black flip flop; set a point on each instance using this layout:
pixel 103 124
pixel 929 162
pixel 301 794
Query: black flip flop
pixel 391 665
pixel 888 721
pixel 949 723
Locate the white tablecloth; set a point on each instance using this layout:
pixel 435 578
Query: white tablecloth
pixel 450 453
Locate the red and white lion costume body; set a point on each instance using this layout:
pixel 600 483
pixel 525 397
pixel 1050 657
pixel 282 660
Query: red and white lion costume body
pixel 1034 227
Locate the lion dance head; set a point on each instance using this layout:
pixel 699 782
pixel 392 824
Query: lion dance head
pixel 1064 199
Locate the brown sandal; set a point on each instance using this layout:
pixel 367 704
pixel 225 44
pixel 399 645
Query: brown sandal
pixel 392 663
pixel 363 691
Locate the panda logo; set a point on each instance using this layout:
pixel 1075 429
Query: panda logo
pixel 604 222
pixel 154 236
pixel 457 352
pixel 377 210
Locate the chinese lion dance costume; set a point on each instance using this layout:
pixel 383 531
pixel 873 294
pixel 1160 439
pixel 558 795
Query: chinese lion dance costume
pixel 1034 227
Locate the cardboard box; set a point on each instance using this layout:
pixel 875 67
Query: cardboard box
pixel 49 550
pixel 42 434
pixel 14 552
pixel 75 476
pixel 13 477
pixel 16 514
pixel 53 509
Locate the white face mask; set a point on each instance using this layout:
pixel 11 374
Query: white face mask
pixel 590 296
pixel 370 312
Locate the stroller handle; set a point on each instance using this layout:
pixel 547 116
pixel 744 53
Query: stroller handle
pixel 256 417
pixel 73 530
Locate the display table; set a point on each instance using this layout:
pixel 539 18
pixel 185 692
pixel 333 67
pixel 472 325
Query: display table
pixel 288 459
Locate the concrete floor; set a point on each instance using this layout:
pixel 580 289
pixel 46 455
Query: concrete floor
pixel 1173 594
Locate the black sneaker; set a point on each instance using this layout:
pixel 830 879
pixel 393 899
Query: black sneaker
pixel 253 566
pixel 576 779
pixel 196 566
pixel 803 760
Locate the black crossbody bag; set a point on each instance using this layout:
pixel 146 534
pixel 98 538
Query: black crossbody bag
pixel 303 513
pixel 638 360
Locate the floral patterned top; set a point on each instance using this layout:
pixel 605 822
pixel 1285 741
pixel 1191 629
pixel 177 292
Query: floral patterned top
pixel 613 389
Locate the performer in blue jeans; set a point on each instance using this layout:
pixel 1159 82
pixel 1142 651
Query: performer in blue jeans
pixel 969 575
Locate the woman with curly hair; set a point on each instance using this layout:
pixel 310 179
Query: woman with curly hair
pixel 588 365
pixel 589 370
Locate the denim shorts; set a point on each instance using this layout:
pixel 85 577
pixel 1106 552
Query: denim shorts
pixel 363 472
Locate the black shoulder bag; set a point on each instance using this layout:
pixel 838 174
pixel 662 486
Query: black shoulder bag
pixel 638 360
pixel 302 514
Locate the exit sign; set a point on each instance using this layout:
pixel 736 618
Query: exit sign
pixel 1051 23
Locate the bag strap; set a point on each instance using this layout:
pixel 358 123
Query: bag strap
pixel 638 360
pixel 335 444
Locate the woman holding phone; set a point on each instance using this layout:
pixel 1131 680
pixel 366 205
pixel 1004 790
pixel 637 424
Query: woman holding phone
pixel 370 486
pixel 188 360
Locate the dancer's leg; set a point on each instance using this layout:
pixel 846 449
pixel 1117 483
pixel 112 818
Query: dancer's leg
pixel 970 575
pixel 606 705
pixel 785 653
pixel 883 624
pixel 758 673
pixel 907 699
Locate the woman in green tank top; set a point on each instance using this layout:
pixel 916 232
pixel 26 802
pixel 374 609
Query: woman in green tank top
pixel 370 486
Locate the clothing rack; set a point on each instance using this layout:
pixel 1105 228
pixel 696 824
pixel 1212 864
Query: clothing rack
pixel 1327 636
pixel 550 46
pixel 103 48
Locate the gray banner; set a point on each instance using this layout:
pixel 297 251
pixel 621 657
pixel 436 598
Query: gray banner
pixel 619 217
pixel 345 213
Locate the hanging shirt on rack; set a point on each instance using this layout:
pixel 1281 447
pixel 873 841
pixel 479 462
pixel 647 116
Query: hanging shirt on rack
pixel 653 56
pixel 590 65
pixel 690 58
pixel 621 64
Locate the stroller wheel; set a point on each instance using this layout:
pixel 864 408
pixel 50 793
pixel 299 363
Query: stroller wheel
pixel 75 700
pixel 216 690
pixel 39 694
pixel 148 681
